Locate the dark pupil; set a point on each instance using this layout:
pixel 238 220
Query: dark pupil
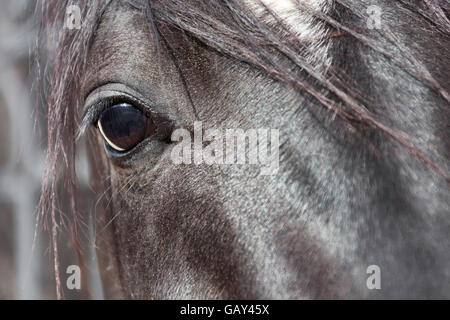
pixel 125 126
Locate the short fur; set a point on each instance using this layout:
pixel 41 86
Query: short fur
pixel 364 130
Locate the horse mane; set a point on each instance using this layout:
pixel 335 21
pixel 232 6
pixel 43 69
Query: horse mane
pixel 233 30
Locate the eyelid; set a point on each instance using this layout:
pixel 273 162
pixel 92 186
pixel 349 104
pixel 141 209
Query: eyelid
pixel 112 93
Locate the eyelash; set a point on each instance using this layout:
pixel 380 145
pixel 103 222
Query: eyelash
pixel 113 100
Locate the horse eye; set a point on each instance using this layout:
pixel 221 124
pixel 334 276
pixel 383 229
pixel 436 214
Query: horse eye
pixel 123 126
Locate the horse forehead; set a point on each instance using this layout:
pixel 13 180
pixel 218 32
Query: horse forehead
pixel 297 15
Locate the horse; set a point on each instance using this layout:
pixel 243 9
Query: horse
pixel 355 91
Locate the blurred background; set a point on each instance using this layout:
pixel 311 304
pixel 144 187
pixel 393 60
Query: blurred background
pixel 23 274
